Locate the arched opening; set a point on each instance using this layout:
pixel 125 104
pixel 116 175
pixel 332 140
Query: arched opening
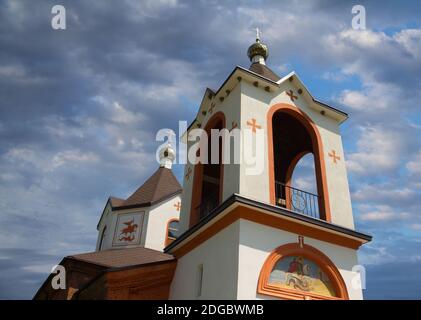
pixel 293 137
pixel 172 231
pixel 208 177
pixel 295 271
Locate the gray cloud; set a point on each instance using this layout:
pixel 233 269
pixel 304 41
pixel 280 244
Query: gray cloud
pixel 79 108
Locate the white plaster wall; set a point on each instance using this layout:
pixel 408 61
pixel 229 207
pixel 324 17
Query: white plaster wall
pixel 156 224
pixel 105 221
pixel 254 105
pixel 337 179
pixel 154 227
pixel 258 241
pixel 219 256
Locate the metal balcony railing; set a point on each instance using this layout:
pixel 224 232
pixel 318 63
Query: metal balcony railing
pixel 297 200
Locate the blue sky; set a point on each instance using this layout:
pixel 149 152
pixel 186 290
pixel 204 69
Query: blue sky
pixel 79 110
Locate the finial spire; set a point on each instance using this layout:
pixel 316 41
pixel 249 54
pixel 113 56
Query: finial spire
pixel 258 52
pixel 167 153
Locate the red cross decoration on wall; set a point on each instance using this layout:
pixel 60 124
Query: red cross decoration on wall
pixel 188 173
pixel 177 205
pixel 253 125
pixel 291 95
pixel 211 108
pixel 233 125
pixel 334 156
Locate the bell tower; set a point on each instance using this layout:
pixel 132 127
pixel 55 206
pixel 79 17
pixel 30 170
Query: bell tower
pixel 252 233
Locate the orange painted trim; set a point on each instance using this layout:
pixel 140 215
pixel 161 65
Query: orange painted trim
pixel 167 240
pixel 198 172
pixel 292 166
pixel 278 222
pixel 288 178
pixel 318 155
pixel 311 253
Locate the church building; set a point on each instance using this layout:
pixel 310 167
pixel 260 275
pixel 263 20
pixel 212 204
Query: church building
pixel 228 233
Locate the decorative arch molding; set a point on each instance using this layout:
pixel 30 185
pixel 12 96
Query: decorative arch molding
pixel 310 253
pixel 218 117
pixel 317 145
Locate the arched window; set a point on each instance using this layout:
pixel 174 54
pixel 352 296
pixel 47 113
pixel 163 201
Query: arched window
pixel 208 177
pixel 101 241
pixel 172 231
pixel 293 136
pixel 301 272
pixel 304 176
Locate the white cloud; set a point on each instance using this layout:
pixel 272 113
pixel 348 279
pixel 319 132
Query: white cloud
pixel 379 150
pixel 372 98
pixel 44 161
pixel 410 39
pixel 124 116
pixel 71 157
pixel 414 166
pixel 375 254
pixel 416 226
pixel 383 213
pixel 38 268
pixel 383 192
pixel 12 71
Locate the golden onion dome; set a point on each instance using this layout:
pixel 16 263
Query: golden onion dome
pixel 258 49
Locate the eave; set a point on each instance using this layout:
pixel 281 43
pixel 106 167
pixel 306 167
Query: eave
pixel 251 76
pixel 269 215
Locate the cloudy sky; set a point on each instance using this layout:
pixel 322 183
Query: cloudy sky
pixel 79 110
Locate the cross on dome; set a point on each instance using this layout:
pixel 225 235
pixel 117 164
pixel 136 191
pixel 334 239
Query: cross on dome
pixel 258 51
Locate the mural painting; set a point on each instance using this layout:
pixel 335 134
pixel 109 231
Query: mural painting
pixel 128 229
pixel 299 273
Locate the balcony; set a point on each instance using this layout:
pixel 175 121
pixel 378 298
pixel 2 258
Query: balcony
pixel 297 200
pixel 293 199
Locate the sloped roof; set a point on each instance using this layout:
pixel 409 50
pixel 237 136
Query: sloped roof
pixel 160 186
pixel 121 258
pixel 116 202
pixel 264 71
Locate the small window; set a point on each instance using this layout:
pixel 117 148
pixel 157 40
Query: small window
pixel 172 231
pixel 199 280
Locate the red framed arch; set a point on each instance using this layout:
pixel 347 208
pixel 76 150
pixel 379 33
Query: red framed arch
pixel 168 240
pixel 218 117
pixel 317 145
pixel 264 286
